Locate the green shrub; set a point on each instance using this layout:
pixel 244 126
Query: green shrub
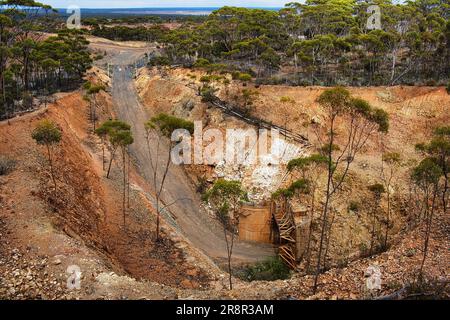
pixel 245 77
pixel 202 185
pixel 363 249
pixel 205 79
pixel 208 94
pixel 353 206
pixel 241 76
pixel 87 85
pixel 269 270
pixel 95 88
pixel 235 75
pixel 216 67
pixel 201 63
pixel 159 61
pixel 410 252
pixel 6 165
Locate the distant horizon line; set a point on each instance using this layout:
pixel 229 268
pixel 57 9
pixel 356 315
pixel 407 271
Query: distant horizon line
pixel 173 7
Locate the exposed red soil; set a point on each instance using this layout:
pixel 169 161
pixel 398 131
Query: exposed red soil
pixel 81 223
pixel 414 112
pixel 86 206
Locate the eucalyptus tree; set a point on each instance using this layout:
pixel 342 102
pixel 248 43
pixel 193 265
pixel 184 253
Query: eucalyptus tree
pixel 157 130
pixel 122 139
pixel 92 91
pixel 48 134
pixel 427 175
pixel 438 149
pixel 227 197
pixel 391 162
pixel 310 169
pixel 377 191
pixel 327 41
pixel 360 121
pixel 29 60
pixel 109 131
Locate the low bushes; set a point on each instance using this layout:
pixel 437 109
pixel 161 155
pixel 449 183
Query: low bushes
pixel 6 165
pixel 269 270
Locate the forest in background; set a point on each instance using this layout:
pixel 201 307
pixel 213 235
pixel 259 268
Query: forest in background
pixel 32 62
pixel 321 42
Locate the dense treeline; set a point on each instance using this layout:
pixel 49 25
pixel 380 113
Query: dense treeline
pixel 121 19
pixel 101 20
pixel 320 42
pixel 31 62
pixel 149 28
pixel 126 33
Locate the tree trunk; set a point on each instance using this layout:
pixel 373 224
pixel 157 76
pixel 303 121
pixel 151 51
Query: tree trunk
pixel 394 58
pixel 229 253
pixel 110 163
pixel 229 260
pixel 428 230
pixel 50 161
pixel 124 184
pixel 103 154
pixel 128 181
pixel 308 246
pixel 445 189
pixel 325 209
pixel 158 195
pixel 372 233
pixel 388 218
pixel 328 240
pixel 25 73
pixel 157 219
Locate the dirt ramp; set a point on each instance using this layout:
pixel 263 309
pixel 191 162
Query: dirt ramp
pixel 85 206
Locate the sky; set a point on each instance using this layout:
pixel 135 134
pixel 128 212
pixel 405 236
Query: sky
pixel 164 4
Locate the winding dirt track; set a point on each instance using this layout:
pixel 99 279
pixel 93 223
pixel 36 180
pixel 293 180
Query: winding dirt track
pixel 188 216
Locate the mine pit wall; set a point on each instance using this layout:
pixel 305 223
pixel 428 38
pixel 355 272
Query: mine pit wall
pixel 255 225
